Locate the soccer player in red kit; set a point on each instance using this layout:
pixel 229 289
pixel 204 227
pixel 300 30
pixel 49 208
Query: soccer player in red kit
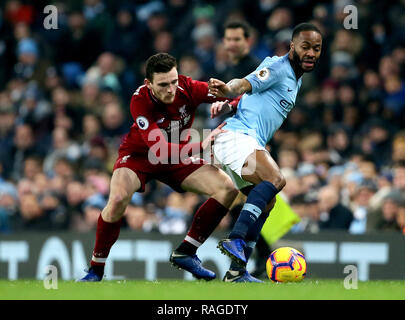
pixel 163 108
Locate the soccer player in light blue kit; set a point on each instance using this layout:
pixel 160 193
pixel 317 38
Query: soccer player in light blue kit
pixel 268 95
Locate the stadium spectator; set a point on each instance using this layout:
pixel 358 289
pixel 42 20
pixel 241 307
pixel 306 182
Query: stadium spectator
pixel 156 20
pixel 36 112
pixel 65 114
pixel 105 72
pixel 280 20
pixel 398 147
pixel 401 216
pixel 360 206
pixel 385 218
pixel 333 215
pixel 74 197
pixel 237 46
pixel 204 36
pixel 97 16
pixel 123 39
pixel 8 204
pixel 30 66
pixel 13 157
pixel 399 176
pixel 306 207
pixel 62 147
pixel 177 214
pixel 77 48
pixel 91 124
pixel 15 12
pixel 190 67
pixel 135 217
pixel 114 124
pixel 7 124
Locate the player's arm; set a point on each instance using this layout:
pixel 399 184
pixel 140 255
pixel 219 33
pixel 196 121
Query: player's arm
pixel 219 108
pixel 232 89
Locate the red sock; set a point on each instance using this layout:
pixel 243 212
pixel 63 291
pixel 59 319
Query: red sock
pixel 205 220
pixel 106 235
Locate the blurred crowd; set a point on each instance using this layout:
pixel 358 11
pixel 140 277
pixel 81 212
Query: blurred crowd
pixel 65 92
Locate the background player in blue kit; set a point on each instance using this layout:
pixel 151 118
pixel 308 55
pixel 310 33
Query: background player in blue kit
pixel 268 95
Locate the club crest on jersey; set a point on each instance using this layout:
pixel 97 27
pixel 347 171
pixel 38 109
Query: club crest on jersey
pixel 142 123
pixel 125 159
pixel 263 74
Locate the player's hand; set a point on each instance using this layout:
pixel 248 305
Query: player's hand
pixel 218 88
pixel 210 139
pixel 220 107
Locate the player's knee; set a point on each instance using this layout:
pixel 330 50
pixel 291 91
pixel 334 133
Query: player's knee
pixel 225 193
pixel 232 193
pixel 278 180
pixel 118 202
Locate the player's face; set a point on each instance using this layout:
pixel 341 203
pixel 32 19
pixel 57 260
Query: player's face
pixel 307 49
pixel 164 85
pixel 235 43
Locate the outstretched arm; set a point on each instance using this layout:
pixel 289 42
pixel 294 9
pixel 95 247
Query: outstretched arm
pixel 223 107
pixel 232 89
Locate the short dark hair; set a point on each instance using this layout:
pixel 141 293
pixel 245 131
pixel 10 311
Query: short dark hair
pixel 305 26
pixel 238 24
pixel 159 63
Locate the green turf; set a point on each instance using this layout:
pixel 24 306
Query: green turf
pixel 201 290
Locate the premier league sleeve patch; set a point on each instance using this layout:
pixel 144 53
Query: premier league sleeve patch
pixel 142 123
pixel 263 74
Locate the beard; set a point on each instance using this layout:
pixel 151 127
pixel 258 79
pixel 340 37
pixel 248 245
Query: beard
pixel 297 61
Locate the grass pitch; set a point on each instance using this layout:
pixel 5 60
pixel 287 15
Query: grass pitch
pixel 308 289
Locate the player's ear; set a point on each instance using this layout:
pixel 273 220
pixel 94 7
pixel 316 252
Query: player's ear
pixel 147 83
pixel 291 45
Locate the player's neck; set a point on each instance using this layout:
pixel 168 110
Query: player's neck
pixel 295 66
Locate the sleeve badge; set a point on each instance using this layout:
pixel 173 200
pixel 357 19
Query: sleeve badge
pixel 142 123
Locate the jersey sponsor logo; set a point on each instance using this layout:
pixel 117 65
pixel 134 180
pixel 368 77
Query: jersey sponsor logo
pixel 287 106
pixel 263 74
pixel 173 126
pixel 186 120
pixel 142 123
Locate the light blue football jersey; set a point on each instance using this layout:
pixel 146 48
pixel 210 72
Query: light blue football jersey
pixel 262 111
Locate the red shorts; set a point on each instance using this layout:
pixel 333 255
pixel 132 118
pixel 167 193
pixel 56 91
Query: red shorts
pixel 170 174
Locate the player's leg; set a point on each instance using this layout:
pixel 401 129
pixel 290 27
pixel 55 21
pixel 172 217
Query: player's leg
pixel 215 183
pixel 124 183
pixel 211 181
pixel 268 181
pixel 237 272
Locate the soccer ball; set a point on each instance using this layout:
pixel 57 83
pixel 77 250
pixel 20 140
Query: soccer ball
pixel 286 264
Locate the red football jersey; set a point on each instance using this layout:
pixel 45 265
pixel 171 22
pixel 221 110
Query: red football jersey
pixel 155 121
